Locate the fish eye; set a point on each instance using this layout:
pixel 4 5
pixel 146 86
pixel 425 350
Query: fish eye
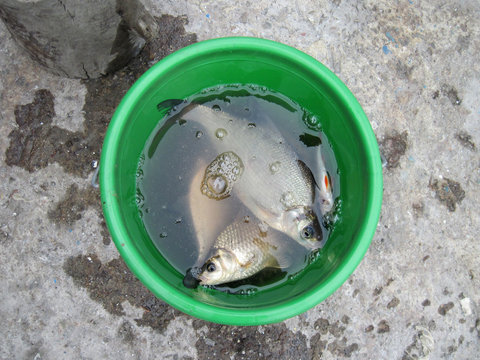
pixel 307 232
pixel 211 267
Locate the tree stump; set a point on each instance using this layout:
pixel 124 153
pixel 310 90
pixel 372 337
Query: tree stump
pixel 79 38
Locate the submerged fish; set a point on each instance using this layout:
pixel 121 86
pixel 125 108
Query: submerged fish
pixel 243 249
pixel 277 187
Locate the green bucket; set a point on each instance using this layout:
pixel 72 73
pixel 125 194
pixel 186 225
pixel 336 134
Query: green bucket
pixel 242 60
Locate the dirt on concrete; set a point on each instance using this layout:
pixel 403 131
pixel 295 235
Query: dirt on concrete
pixel 37 143
pixel 264 342
pixel 113 283
pixel 466 140
pixel 70 209
pixel 448 191
pixel 393 146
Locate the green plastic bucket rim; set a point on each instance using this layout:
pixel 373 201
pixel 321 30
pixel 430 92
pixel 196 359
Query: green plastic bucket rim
pixel 166 291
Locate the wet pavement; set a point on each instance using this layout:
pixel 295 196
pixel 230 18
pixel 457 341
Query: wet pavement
pixel 413 67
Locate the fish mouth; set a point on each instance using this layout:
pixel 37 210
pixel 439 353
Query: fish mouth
pixel 318 244
pixel 203 280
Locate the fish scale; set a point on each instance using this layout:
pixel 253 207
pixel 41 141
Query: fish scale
pixel 254 249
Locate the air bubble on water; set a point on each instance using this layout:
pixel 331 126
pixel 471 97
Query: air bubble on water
pixel 263 88
pixel 247 109
pixel 250 291
pixel 246 219
pixel 220 133
pixel 198 134
pixel 221 174
pixel 139 198
pixel 313 256
pixel 163 234
pixel 312 121
pixel 174 108
pixel 252 125
pixel 140 173
pixel 287 199
pixel 216 108
pixel 274 167
pixel 263 226
pixel 178 220
pixel 147 210
pixel 217 184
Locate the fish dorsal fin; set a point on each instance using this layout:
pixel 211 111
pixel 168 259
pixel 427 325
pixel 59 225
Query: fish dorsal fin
pixel 308 176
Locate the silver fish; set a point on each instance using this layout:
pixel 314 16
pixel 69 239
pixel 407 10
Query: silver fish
pixel 276 186
pixel 241 250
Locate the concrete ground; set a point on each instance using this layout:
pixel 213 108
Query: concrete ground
pixel 413 65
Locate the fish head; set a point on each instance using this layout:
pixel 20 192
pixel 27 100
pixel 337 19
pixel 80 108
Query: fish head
pixel 219 268
pixel 302 225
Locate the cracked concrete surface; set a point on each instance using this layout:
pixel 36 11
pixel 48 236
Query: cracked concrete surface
pixel 413 67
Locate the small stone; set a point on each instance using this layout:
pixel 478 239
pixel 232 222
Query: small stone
pixel 443 309
pixel 377 291
pixel 393 303
pixel 426 302
pixel 383 327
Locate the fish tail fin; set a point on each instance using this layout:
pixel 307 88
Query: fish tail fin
pixel 322 189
